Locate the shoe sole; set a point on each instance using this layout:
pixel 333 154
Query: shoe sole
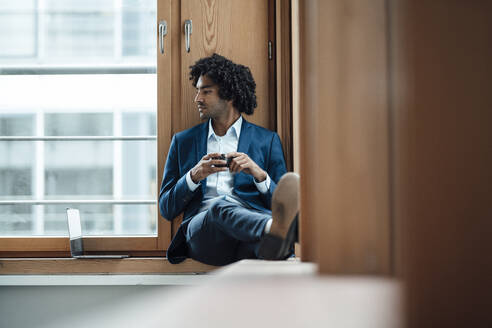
pixel 285 206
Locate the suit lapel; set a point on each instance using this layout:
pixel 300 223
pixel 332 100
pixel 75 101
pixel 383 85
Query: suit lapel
pixel 243 144
pixel 244 137
pixel 201 146
pixel 201 141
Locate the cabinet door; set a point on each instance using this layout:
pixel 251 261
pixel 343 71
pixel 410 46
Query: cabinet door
pixel 236 29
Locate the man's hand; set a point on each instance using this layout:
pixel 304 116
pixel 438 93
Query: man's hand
pixel 242 162
pixel 206 166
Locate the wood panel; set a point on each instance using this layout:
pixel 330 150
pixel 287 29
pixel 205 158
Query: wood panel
pixel 176 79
pixel 308 141
pixel 62 244
pixel 65 254
pixel 236 29
pixel 164 104
pixel 272 67
pixel 345 132
pixel 398 134
pixel 296 78
pixel 443 75
pixel 284 77
pixel 95 266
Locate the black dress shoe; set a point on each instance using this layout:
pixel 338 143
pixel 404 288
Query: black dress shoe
pixel 278 243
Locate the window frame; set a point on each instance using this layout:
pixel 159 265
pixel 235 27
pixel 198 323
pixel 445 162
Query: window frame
pixel 59 246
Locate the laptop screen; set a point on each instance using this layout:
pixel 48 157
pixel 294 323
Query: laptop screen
pixel 75 231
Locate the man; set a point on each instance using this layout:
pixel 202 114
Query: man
pixel 227 200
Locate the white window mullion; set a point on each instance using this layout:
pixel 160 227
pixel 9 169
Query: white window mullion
pixel 118 29
pixel 39 175
pixel 142 187
pixel 117 172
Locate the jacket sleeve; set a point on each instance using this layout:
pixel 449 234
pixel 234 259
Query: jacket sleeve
pixel 276 167
pixel 174 194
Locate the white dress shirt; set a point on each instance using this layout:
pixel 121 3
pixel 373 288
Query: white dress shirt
pixel 222 183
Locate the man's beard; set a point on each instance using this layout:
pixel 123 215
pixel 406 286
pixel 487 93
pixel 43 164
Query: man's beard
pixel 203 116
pixel 214 111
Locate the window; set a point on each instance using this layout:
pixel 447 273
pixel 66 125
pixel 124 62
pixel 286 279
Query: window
pixel 78 118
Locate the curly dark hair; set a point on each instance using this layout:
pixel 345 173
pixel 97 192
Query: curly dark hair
pixel 235 81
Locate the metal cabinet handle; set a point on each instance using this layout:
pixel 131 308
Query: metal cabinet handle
pixel 188 30
pixel 162 33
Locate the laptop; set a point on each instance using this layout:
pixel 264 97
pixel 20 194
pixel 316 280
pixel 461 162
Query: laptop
pixel 76 241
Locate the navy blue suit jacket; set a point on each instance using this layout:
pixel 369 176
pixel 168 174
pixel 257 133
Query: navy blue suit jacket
pixel 187 148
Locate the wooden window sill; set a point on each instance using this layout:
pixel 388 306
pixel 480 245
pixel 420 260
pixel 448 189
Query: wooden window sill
pixel 55 266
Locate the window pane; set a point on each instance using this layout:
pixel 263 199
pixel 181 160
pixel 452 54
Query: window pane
pixel 96 220
pixel 17 29
pixel 136 22
pixel 76 32
pixel 15 181
pixel 16 124
pixel 94 182
pixel 16 173
pixel 79 124
pixel 78 35
pixel 17 220
pixel 79 29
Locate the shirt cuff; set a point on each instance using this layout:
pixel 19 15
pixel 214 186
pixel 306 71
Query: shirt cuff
pixel 264 185
pixel 190 182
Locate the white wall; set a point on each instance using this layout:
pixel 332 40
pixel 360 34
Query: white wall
pixel 80 306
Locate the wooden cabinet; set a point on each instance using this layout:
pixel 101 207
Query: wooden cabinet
pixel 345 186
pixel 237 29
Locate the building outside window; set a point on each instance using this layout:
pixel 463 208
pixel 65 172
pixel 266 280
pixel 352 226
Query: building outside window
pixel 78 104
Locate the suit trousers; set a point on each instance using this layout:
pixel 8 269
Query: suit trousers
pixel 225 233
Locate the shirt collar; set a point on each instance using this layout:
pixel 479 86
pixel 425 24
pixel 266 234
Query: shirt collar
pixel 235 128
